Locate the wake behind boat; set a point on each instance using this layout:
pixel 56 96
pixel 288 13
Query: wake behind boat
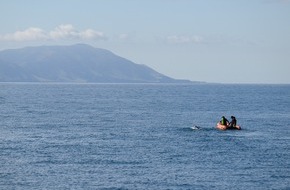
pixel 195 127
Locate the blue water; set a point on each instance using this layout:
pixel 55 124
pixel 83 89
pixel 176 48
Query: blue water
pixel 122 136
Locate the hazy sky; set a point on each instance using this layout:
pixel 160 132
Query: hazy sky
pixel 231 41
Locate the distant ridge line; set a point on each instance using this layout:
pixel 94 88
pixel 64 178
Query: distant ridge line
pixel 78 63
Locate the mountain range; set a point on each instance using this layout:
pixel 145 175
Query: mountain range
pixel 78 63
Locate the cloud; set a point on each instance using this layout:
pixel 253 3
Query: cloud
pixel 61 32
pixel 30 34
pixel 184 39
pixel 91 34
pixel 123 36
pixel 69 32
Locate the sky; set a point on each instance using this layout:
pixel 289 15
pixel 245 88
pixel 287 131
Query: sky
pixel 219 41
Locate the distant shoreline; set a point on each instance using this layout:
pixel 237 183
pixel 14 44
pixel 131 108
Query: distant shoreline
pixel 116 83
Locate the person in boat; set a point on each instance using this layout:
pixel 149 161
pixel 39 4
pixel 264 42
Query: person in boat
pixel 224 121
pixel 233 122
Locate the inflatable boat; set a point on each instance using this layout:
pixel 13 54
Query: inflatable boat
pixel 225 127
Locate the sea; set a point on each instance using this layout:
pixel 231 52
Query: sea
pixel 143 136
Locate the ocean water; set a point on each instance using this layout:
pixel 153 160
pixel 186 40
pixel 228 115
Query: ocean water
pixel 140 136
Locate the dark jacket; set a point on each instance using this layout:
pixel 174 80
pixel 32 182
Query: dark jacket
pixel 233 123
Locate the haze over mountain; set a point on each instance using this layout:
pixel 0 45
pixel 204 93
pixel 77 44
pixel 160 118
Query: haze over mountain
pixel 77 63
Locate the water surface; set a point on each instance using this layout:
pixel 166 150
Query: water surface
pixel 139 136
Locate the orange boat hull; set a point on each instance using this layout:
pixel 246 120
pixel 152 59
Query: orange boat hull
pixel 224 127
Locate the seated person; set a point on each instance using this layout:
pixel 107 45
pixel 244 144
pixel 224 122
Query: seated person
pixel 224 121
pixel 233 122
